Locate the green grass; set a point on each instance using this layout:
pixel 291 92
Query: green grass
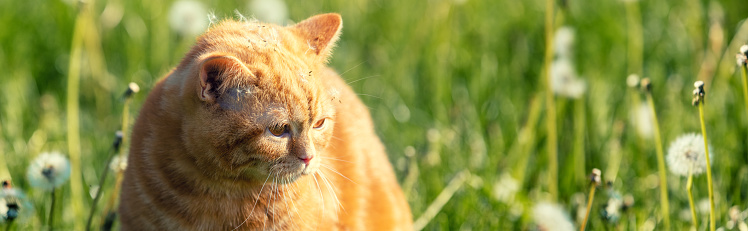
pixel 464 73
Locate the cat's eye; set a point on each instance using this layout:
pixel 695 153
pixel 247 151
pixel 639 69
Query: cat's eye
pixel 279 129
pixel 319 124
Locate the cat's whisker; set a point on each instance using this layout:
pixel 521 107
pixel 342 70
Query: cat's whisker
pixel 330 158
pixel 334 194
pixel 359 64
pixel 259 194
pixel 374 96
pixel 321 196
pixel 273 194
pixel 367 77
pixel 337 138
pixel 333 170
pixel 294 192
pixel 285 200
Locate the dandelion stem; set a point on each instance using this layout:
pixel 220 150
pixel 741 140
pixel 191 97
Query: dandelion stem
pixel 664 203
pixel 526 140
pixel 7 227
pixel 102 180
pixel 118 178
pixel 50 219
pixel 589 206
pixel 744 70
pixel 550 104
pixel 689 188
pixel 712 225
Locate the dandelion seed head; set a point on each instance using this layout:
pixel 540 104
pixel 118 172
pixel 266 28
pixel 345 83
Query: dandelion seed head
pixel 3 210
pixel 48 171
pixel 698 84
pixel 613 207
pixel 742 60
pixel 118 164
pixel 551 217
pixel 132 88
pixel 187 17
pixel 564 80
pixel 117 140
pixel 646 84
pixel 505 188
pixel 595 176
pixel 734 213
pixel 632 80
pixel 13 205
pixel 271 11
pixel 687 152
pixel 564 42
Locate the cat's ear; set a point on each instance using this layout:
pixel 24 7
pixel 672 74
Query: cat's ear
pixel 219 72
pixel 320 32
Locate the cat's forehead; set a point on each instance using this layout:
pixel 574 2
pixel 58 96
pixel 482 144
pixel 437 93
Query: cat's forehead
pixel 257 43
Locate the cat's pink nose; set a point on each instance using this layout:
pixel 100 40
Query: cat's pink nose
pixel 306 158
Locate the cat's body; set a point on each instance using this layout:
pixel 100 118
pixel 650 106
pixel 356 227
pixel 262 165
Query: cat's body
pixel 252 131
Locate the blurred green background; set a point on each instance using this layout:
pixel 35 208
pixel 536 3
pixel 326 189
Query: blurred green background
pixel 451 85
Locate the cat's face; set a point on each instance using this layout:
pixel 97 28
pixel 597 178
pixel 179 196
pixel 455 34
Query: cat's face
pixel 260 110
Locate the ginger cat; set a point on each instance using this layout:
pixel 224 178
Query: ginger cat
pixel 253 131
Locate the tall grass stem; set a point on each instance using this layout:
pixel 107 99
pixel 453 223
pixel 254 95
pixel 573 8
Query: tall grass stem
pixel 712 224
pixel 552 144
pixel 664 203
pixel 689 188
pixel 442 199
pixel 73 116
pixel 579 135
pixel 635 37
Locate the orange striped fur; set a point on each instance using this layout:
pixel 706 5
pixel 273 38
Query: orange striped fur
pixel 252 131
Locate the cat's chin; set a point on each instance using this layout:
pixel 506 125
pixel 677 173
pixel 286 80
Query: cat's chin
pixel 292 177
pixel 287 174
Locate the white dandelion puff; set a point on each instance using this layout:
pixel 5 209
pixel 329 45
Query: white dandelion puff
pixel 13 205
pixel 271 11
pixel 564 80
pixel 632 80
pixel 118 164
pixel 687 152
pixel 48 171
pixel 505 189
pixel 187 17
pixel 3 210
pixel 563 42
pixel 551 217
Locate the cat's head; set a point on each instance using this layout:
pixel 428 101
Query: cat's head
pixel 255 104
